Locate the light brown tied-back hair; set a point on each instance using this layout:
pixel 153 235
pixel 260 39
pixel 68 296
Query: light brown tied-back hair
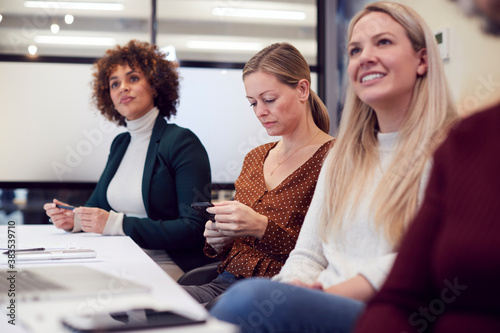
pixel 161 74
pixel 355 155
pixel 288 65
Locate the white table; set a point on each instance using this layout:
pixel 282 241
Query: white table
pixel 117 255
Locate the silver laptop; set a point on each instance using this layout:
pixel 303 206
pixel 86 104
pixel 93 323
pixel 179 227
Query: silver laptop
pixel 65 281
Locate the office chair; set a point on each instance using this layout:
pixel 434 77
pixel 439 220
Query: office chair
pixel 200 275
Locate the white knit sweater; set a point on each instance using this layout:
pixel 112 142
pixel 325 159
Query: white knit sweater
pixel 362 249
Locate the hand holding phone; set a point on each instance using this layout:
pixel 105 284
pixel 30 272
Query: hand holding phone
pixel 202 208
pixel 65 207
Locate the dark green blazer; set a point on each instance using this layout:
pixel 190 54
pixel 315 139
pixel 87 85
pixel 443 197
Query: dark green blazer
pixel 176 173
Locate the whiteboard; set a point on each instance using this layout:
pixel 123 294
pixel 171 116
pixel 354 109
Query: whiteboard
pixel 51 132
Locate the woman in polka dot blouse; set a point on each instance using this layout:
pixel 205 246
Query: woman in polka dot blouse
pixel 254 234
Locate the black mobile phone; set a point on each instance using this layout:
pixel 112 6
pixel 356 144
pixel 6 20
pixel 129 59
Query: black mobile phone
pixel 126 321
pixel 202 208
pixel 65 207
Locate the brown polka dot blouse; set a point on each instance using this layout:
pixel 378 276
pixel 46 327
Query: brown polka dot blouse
pixel 285 207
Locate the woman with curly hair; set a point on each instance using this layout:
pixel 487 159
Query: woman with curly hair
pixel 154 170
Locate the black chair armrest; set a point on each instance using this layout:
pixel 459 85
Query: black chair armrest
pixel 199 276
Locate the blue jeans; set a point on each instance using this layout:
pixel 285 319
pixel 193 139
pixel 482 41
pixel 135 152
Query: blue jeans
pixel 262 305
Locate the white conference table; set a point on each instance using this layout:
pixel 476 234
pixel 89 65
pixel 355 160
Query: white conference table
pixel 116 255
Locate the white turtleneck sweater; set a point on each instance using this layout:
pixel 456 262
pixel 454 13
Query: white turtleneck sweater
pixel 125 189
pixel 362 249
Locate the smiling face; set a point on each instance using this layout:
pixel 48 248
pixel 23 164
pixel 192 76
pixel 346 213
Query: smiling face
pixel 279 107
pixel 383 66
pixel 130 91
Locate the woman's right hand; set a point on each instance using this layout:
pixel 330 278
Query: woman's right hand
pixel 61 218
pixel 215 238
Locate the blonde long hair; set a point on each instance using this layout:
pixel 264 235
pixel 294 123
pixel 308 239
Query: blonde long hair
pixel 288 65
pixel 355 154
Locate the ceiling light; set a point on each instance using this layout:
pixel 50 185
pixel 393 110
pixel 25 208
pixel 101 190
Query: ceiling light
pixel 74 5
pixel 69 40
pixel 1 17
pixel 69 19
pixel 54 28
pixel 260 13
pixel 215 45
pixel 32 49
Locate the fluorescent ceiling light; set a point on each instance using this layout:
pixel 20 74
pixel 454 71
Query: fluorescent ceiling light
pixel 68 40
pixel 216 45
pixel 74 5
pixel 260 13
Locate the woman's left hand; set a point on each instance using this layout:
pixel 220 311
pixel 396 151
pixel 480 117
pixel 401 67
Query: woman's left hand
pixel 238 220
pixel 92 219
pixel 215 238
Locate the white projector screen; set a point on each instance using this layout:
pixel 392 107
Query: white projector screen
pixel 51 132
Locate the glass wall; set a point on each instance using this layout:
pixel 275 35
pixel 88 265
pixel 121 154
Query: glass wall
pixel 234 30
pixel 70 34
pixel 71 28
pixel 197 30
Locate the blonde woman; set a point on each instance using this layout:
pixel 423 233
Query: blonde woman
pixel 397 110
pixel 448 285
pixel 254 234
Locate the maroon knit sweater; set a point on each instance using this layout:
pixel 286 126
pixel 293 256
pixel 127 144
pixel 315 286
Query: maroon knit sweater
pixel 446 277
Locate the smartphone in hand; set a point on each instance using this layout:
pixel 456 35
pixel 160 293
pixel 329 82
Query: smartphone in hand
pixel 65 207
pixel 202 208
pixel 124 321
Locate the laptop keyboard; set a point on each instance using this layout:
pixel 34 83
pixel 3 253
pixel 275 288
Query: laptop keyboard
pixel 26 281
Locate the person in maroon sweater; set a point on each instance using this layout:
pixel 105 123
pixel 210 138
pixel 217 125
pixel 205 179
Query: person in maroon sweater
pixel 445 278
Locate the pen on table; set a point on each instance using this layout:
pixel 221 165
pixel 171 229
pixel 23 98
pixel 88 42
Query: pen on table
pixel 65 207
pixel 24 250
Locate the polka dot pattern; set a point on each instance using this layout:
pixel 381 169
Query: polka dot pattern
pixel 285 206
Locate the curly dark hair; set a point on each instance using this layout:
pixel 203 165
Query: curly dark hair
pixel 161 74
